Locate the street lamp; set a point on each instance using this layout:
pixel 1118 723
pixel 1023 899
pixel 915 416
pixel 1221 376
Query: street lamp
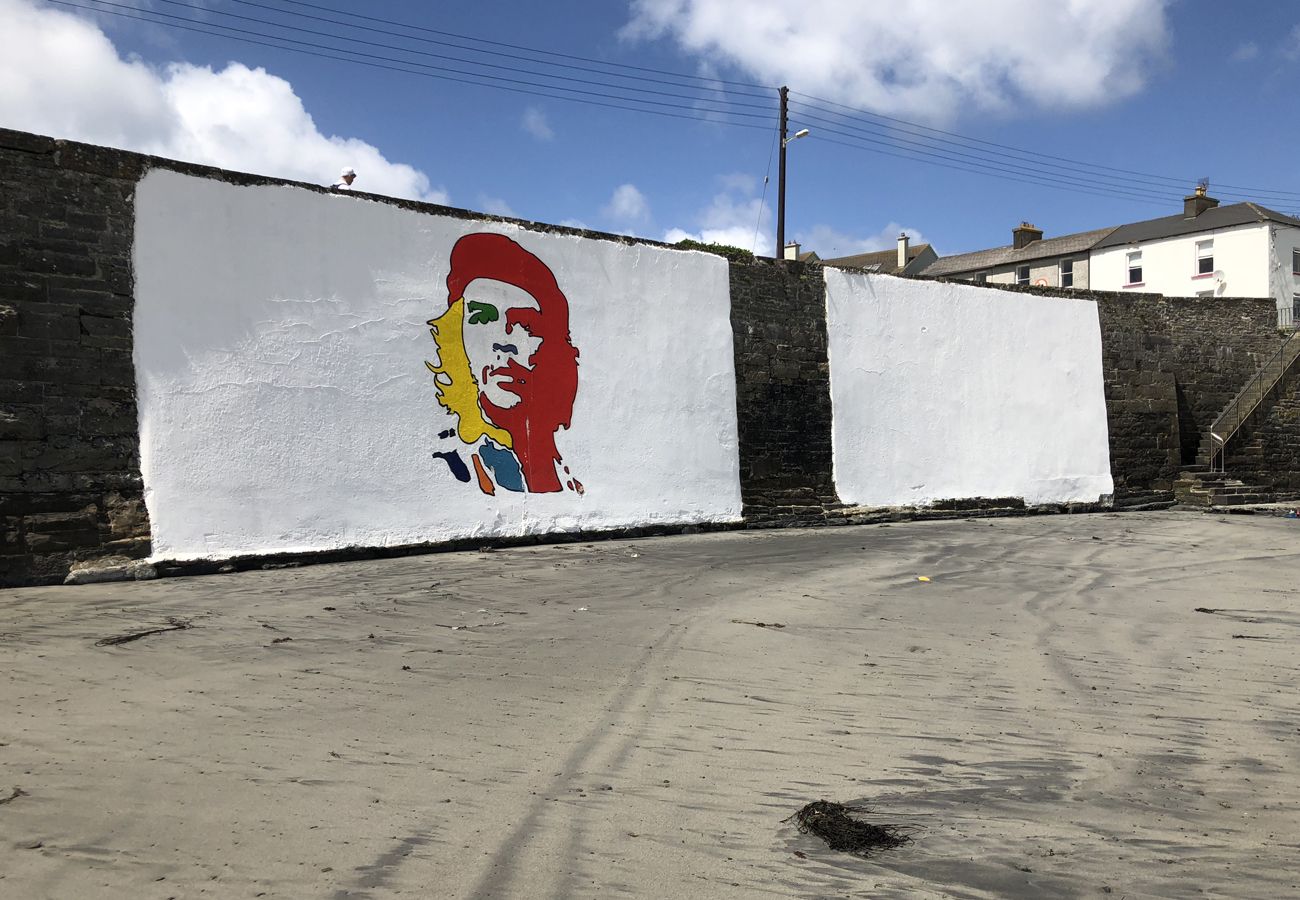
pixel 780 178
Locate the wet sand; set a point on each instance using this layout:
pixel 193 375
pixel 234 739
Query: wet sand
pixel 601 720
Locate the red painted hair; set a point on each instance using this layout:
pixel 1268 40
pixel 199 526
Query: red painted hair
pixel 546 391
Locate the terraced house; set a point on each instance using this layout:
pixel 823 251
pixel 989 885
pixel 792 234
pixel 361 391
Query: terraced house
pixel 1239 250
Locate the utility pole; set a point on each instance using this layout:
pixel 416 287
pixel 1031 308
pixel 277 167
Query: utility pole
pixel 780 179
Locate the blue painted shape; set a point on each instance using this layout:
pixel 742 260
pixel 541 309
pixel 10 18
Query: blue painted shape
pixel 504 466
pixel 455 463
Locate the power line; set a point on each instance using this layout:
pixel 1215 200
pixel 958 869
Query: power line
pixel 443 57
pixel 980 163
pixel 610 69
pixel 1019 179
pixel 758 219
pixel 440 72
pixel 444 69
pixel 925 144
pixel 408 25
pixel 916 127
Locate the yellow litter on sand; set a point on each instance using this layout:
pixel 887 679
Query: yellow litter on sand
pixel 922 577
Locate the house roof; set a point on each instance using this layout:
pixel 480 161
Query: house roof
pixel 1064 245
pixel 876 261
pixel 1211 219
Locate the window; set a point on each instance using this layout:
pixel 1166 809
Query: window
pixel 1067 273
pixel 982 278
pixel 1295 261
pixel 1205 257
pixel 1135 267
pixel 1022 274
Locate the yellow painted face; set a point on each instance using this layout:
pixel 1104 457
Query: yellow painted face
pixel 457 389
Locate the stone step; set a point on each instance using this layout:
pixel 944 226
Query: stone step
pixel 1239 499
pixel 1211 481
pixel 1240 488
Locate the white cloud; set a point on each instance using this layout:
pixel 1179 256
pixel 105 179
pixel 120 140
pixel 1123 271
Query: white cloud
pixel 734 217
pixel 1245 52
pixel 534 122
pixel 627 206
pixel 1292 48
pixel 830 243
pixel 63 77
pixel 924 59
pixel 496 206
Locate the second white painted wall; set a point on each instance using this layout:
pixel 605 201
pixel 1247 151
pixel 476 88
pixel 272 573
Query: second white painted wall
pixel 946 391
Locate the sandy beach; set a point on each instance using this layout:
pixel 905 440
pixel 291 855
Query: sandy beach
pixel 1050 711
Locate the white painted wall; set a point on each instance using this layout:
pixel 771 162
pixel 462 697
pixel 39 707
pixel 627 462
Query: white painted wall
pixel 1284 283
pixel 280 348
pixel 1169 265
pixel 944 391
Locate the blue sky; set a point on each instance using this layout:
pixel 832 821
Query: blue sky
pixel 1177 90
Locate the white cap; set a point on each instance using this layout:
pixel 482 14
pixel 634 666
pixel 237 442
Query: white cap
pixel 347 170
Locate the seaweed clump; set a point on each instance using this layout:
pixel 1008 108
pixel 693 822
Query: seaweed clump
pixel 834 823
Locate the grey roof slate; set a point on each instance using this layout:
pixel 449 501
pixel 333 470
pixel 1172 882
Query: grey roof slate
pixel 1008 255
pixel 1211 219
pixel 877 260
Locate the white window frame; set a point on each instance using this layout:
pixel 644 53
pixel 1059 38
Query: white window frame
pixel 1063 273
pixel 1133 260
pixel 1204 255
pixel 1024 269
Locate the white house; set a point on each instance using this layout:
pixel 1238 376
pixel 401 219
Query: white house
pixel 1241 250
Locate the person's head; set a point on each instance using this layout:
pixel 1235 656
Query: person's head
pixel 348 175
pixel 513 323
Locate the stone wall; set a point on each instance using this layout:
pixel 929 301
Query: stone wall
pixel 69 450
pixel 778 316
pixel 1172 365
pixel 70 485
pixel 1269 453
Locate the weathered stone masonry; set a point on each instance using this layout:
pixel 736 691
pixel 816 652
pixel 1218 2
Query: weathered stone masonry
pixel 69 450
pixel 70 485
pixel 778 318
pixel 1171 365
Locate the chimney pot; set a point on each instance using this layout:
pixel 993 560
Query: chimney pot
pixel 1024 235
pixel 1197 203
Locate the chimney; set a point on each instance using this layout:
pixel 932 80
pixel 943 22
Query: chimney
pixel 1025 235
pixel 1198 203
pixel 902 250
pixel 792 250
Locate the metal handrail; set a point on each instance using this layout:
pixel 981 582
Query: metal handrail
pixel 1220 451
pixel 1217 430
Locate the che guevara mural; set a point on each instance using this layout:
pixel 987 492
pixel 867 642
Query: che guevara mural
pixel 506 368
pixel 375 374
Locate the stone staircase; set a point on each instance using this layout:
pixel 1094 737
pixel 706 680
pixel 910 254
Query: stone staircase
pixel 1203 484
pixel 1197 486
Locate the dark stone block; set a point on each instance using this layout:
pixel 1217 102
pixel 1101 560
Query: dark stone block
pixel 51 327
pixel 21 423
pixel 105 326
pixel 49 262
